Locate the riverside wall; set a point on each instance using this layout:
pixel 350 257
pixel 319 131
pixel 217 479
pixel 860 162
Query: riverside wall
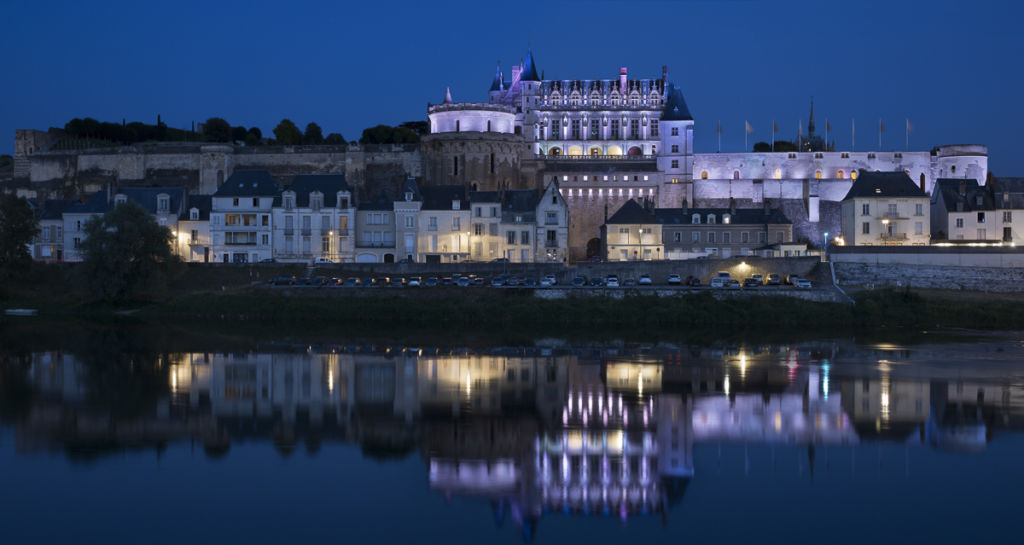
pixel 997 269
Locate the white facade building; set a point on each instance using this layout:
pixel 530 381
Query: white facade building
pixel 314 219
pixel 241 215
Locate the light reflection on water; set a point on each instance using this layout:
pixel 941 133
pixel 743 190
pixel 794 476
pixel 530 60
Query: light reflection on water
pixel 589 432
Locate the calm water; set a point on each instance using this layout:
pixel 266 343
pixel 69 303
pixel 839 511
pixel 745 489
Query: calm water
pixel 114 439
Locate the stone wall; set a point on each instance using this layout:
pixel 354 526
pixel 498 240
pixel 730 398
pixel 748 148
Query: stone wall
pixel 974 269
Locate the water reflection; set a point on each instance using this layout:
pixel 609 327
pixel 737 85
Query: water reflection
pixel 605 431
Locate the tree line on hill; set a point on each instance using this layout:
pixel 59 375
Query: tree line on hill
pixel 217 129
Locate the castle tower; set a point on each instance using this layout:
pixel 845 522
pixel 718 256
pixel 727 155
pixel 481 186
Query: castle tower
pixel 497 86
pixel 675 154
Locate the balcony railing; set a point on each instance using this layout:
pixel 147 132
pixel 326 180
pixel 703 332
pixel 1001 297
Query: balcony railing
pixel 374 244
pixel 893 216
pixel 233 243
pixel 598 157
pixel 550 244
pixel 306 231
pixel 342 232
pixel 289 231
pixel 193 242
pixel 894 236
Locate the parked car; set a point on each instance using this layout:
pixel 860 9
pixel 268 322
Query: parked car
pixel 414 282
pixel 447 281
pixel 323 261
pixel 351 282
pixel 629 283
pixel 596 282
pixel 405 260
pixel 673 280
pixel 751 282
pixel 803 283
pixel 694 282
pixel 723 274
pixel 268 260
pixel 479 281
pixel 545 283
pixel 431 282
pixel 513 281
pixel 283 280
pixel 463 281
pixel 758 278
pixel 551 278
pixel 530 283
pixel 645 280
pixel 719 282
pixel 732 284
pixel 774 279
pixel 500 260
pixel 318 282
pixel 579 281
pixel 498 281
pixel 612 281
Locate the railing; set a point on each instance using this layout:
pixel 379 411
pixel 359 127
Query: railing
pixel 289 231
pixel 193 242
pixel 597 157
pixel 233 243
pixel 550 244
pixel 894 236
pixel 368 244
pixel 306 231
pixel 342 232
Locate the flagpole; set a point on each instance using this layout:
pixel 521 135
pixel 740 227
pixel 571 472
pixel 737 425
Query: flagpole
pixel 853 135
pixel 908 135
pixel 879 134
pixel 773 136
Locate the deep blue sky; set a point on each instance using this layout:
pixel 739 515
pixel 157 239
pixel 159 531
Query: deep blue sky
pixel 952 67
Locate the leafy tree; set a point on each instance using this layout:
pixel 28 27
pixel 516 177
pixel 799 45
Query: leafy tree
pixel 384 134
pixel 287 134
pixel 125 253
pixel 762 147
pixel 18 226
pixel 7 162
pixel 335 138
pixel 217 130
pixel 238 134
pixel 256 132
pixel 421 128
pixel 313 134
pixel 780 145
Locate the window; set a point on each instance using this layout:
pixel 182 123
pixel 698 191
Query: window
pixel 556 129
pixel 981 234
pixel 265 239
pixel 744 237
pixel 865 209
pixel 234 201
pixel 634 129
pixel 574 129
pixel 726 219
pixel 762 237
pixel 735 175
pixel 551 218
pixel 458 125
pixel 675 163
pixel 893 211
pixel 432 223
pixel 1007 234
pixel 695 219
pixel 478 229
pixel 727 238
pixel 865 228
pixel 456 223
pixel 193 214
pixel 918 209
pixel 675 131
pixel 918 228
pixel 654 128
pixel 840 175
pixel 410 222
pixel 1007 216
pixel 615 129
pixel 675 148
pixel 455 166
pixel 959 223
pixel 325 223
pixel 595 129
pixel 695 236
pixel 524 237
pixel 510 237
pixel 711 236
pixel 981 217
pixel 554 198
pixel 255 202
pixel 781 237
pixel 265 221
pixel 778 174
pixel 711 219
pixel 492 229
pixel 817 174
pixel 325 245
pixel 163 203
pixel 552 237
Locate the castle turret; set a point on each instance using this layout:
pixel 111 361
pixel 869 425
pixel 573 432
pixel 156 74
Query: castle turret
pixel 675 154
pixel 497 86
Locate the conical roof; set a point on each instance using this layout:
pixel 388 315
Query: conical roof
pixel 448 96
pixel 529 68
pixel 499 80
pixel 675 106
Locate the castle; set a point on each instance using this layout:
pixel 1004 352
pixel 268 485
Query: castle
pixel 604 140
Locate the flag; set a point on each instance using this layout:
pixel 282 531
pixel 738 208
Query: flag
pixel 719 127
pixel 828 127
pixel 775 127
pixel 910 128
pixel 749 128
pixel 881 128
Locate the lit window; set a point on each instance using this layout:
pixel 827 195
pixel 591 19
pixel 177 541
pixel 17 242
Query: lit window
pixel 704 175
pixel 817 174
pixel 778 174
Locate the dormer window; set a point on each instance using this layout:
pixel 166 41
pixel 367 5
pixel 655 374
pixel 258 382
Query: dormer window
pixel 726 218
pixel 342 200
pixel 289 200
pixel 456 204
pixel 978 200
pixel 193 214
pixel 120 199
pixel 408 196
pixel 711 219
pixel 163 203
pixel 695 219
pixel 316 200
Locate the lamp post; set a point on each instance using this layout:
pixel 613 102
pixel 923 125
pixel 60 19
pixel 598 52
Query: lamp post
pixel 824 247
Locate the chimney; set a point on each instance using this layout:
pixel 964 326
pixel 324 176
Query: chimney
pixel 732 206
pixel 767 207
pixel 963 188
pixel 686 206
pixel 622 80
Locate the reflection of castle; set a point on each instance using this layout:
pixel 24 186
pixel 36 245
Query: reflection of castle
pixel 533 433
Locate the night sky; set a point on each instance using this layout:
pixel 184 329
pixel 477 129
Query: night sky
pixel 952 67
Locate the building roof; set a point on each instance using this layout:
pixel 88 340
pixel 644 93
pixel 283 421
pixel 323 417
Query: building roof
pixel 440 197
pixel 529 68
pixel 95 204
pixel 883 184
pixel 949 190
pixel 53 209
pixel 484 196
pixel 675 106
pixel 740 216
pixel 631 212
pixel 147 197
pixel 499 81
pixel 248 183
pixel 410 186
pixel 327 184
pixel 201 202
pixel 520 203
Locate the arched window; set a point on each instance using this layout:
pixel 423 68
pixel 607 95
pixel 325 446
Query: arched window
pixel 817 174
pixel 704 175
pixel 555 152
pixel 840 175
pixel 952 169
pixel 853 174
pixel 778 174
pixel 735 175
pixel 711 219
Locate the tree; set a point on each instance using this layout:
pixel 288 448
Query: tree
pixel 421 128
pixel 7 162
pixel 384 134
pixel 125 253
pixel 238 134
pixel 335 138
pixel 313 135
pixel 217 130
pixel 18 226
pixel 256 132
pixel 287 134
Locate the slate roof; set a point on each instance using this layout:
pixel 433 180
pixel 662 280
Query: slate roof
pixel 497 84
pixel 631 212
pixel 1013 186
pixel 327 184
pixel 381 203
pixel 440 197
pixel 95 204
pixel 519 202
pixel 529 68
pixel 675 106
pixel 883 184
pixel 410 185
pixel 53 209
pixel 248 183
pixel 484 196
pixel 202 202
pixel 741 216
pixel 949 190
pixel 147 197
